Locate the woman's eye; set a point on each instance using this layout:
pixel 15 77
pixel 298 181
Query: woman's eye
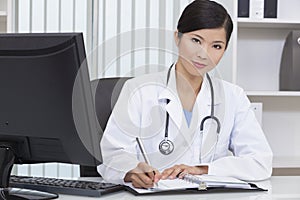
pixel 217 46
pixel 196 40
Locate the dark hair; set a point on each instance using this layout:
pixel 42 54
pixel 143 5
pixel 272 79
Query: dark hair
pixel 203 14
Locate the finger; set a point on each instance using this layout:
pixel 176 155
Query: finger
pixel 148 182
pixel 183 173
pixel 151 174
pixel 202 169
pixel 175 172
pixel 166 173
pixel 157 176
pixel 141 181
pixel 170 173
pixel 193 170
pixel 149 171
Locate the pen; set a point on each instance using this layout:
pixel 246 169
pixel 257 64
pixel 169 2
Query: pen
pixel 141 146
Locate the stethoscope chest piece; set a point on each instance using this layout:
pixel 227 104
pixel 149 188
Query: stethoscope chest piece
pixel 166 147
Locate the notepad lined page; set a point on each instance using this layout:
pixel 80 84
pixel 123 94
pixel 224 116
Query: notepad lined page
pixel 163 185
pixel 174 184
pixel 199 182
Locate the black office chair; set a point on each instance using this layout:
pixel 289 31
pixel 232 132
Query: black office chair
pixel 106 92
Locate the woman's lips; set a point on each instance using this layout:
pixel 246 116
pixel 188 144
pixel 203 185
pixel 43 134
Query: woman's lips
pixel 199 65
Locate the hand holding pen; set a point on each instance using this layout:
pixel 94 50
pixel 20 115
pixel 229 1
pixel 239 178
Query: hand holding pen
pixel 144 175
pixel 155 175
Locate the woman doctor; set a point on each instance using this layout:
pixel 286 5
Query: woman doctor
pixel 187 120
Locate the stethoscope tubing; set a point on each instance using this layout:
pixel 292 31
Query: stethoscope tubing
pixel 211 116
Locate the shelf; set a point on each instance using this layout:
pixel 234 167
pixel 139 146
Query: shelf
pixel 286 161
pixel 267 23
pixel 274 93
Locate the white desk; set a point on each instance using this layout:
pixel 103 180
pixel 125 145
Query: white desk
pixel 279 188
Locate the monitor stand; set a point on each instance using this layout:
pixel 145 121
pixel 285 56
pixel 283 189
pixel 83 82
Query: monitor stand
pixel 7 159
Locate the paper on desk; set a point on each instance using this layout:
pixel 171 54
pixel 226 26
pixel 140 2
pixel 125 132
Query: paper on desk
pixel 180 184
pixel 166 185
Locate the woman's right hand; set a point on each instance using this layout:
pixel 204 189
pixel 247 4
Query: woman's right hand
pixel 143 176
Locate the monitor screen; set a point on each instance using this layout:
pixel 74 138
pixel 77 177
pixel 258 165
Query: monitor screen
pixel 46 106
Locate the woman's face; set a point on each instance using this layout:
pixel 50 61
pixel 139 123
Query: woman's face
pixel 200 51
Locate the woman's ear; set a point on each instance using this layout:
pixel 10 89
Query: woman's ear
pixel 176 38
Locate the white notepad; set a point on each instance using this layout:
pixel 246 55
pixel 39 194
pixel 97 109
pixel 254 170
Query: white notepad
pixel 197 182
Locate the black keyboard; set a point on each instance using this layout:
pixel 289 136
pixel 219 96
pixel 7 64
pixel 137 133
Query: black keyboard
pixel 63 186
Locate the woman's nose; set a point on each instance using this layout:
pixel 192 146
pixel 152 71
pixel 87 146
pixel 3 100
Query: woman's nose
pixel 202 52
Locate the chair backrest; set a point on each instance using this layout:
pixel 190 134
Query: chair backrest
pixel 106 92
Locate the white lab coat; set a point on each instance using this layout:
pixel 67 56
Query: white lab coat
pixel 141 111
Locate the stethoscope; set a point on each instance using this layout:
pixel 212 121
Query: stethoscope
pixel 166 146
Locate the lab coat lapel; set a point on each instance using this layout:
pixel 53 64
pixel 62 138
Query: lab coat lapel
pixel 174 107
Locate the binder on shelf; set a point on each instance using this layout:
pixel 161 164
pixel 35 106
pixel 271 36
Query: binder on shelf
pixel 243 8
pixel 270 9
pixel 197 184
pixel 257 8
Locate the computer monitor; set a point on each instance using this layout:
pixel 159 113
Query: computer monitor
pixel 46 106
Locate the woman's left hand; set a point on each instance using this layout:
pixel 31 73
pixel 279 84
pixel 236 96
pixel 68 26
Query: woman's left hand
pixel 178 171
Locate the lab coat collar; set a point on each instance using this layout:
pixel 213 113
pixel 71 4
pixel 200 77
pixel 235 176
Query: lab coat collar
pixel 170 92
pixel 174 107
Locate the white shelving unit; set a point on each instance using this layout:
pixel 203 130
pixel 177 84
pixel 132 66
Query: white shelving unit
pixel 274 93
pixel 258 55
pixel 267 23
